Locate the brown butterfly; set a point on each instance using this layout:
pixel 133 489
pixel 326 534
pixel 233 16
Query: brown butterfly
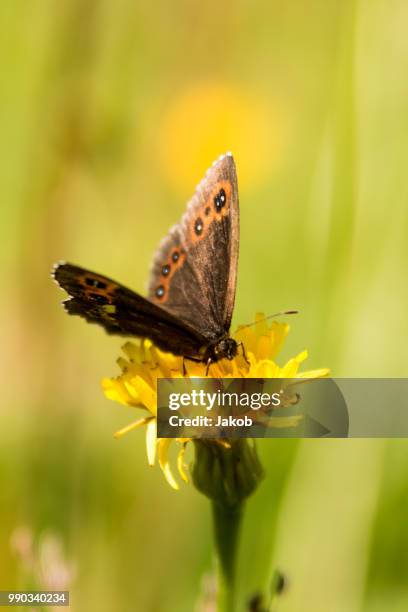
pixel 192 282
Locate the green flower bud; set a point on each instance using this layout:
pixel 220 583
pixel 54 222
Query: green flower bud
pixel 227 474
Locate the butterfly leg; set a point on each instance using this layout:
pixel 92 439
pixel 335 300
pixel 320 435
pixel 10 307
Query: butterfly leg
pixel 241 344
pixel 209 362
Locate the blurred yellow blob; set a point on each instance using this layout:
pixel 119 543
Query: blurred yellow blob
pixel 209 119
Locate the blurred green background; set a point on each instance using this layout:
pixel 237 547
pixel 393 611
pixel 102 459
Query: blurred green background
pixel 111 111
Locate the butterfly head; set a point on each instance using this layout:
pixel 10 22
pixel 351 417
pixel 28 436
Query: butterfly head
pixel 226 348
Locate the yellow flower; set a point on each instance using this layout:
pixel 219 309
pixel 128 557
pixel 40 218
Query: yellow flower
pixel 144 364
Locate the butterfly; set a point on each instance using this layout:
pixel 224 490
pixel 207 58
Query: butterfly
pixel 192 283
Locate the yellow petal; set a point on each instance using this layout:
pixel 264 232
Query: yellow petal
pixel 151 441
pixel 123 364
pixel 132 351
pixel 290 369
pixel 302 356
pixel 261 325
pixel 115 390
pixel 163 449
pixel 264 347
pixel 278 332
pixel 147 395
pixel 320 373
pixel 130 427
pixel 180 462
pixel 264 369
pixel 282 422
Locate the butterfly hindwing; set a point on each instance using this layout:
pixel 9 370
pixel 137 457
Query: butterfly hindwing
pixel 121 311
pixel 195 268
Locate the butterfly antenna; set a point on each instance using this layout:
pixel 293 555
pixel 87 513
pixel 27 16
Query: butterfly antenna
pixel 277 314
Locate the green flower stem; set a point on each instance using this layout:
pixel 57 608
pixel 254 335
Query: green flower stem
pixel 228 475
pixel 227 523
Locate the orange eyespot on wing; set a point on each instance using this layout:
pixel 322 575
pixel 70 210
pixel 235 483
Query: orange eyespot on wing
pixel 97 287
pixel 213 210
pixel 171 264
pixel 123 312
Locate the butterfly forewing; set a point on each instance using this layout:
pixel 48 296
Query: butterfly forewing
pixel 195 268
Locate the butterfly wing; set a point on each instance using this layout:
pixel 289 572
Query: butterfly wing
pixel 194 271
pixel 123 312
